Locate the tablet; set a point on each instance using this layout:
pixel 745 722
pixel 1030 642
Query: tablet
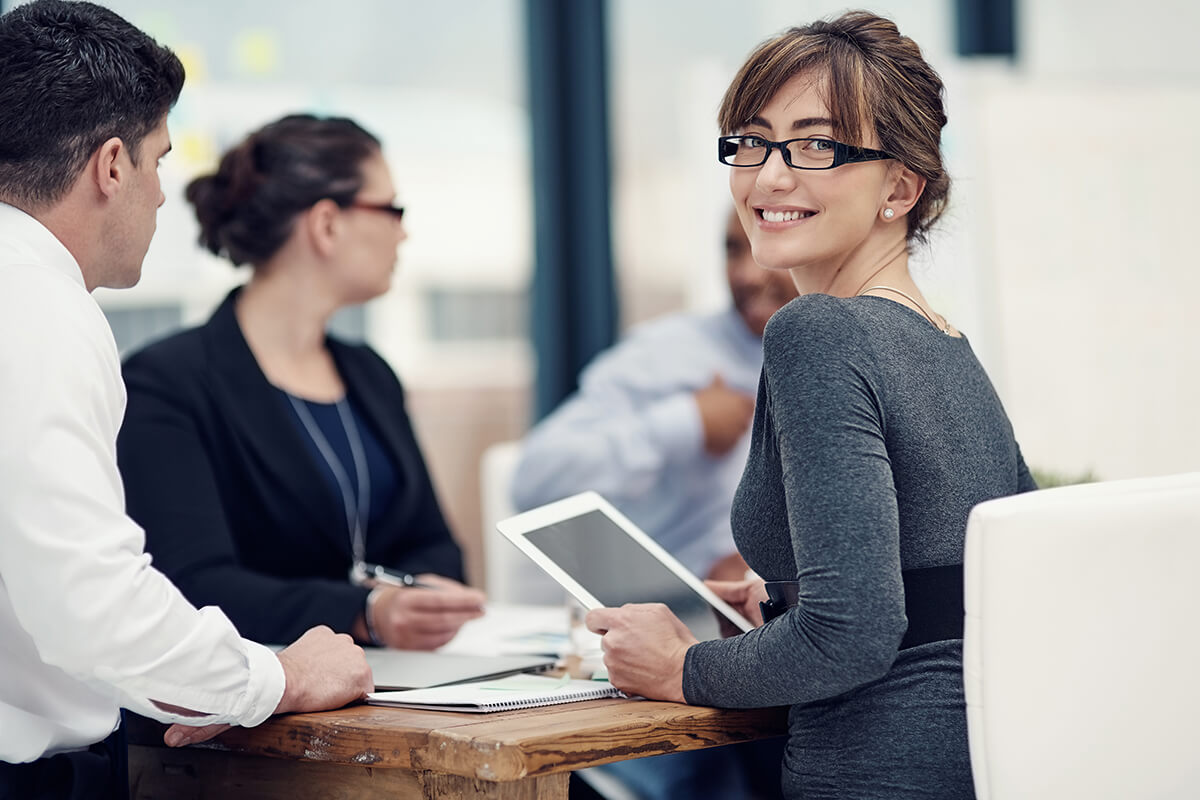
pixel 604 560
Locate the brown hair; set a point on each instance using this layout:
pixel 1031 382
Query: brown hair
pixel 248 207
pixel 877 82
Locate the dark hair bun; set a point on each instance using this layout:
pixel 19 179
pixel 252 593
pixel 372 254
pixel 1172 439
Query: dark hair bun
pixel 248 207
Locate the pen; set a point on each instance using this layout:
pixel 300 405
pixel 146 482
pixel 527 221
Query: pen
pixel 381 574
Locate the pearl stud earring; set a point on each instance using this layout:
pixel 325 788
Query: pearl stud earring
pixel 888 213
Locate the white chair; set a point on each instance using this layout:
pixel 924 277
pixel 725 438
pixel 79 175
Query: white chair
pixel 1081 652
pixel 511 576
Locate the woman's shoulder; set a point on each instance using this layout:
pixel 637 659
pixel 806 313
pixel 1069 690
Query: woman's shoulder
pixel 175 352
pixel 818 340
pixel 814 309
pixel 817 319
pixel 190 349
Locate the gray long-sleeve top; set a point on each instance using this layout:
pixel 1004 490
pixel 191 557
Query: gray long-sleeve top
pixel 873 437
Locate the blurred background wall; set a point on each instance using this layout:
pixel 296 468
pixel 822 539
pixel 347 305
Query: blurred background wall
pixel 1067 254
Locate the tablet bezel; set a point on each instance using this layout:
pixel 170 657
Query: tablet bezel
pixel 515 529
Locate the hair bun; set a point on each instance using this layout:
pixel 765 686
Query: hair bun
pixel 207 196
pixel 247 208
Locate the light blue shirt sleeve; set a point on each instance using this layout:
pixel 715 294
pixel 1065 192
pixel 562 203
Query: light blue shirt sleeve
pixel 633 433
pixel 612 436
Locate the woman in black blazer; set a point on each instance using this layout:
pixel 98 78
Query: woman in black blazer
pixel 270 463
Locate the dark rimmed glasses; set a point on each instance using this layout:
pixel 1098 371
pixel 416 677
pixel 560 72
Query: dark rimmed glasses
pixel 397 212
pixel 806 153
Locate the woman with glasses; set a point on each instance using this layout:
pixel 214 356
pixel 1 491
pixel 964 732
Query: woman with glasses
pixel 272 465
pixel 876 430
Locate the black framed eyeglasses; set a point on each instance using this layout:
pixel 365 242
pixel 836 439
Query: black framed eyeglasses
pixel 806 153
pixel 397 212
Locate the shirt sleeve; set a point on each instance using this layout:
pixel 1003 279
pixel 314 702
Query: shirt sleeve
pixel 823 419
pixel 615 435
pixel 73 562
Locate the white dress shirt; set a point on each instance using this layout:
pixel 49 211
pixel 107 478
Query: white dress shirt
pixel 87 625
pixel 633 433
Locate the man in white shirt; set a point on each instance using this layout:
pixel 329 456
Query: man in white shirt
pixel 87 625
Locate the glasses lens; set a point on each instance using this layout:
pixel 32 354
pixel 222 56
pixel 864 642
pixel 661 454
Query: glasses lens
pixel 744 151
pixel 811 153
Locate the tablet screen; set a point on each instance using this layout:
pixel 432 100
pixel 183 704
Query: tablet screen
pixel 599 555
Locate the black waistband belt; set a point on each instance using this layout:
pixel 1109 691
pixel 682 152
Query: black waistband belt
pixel 933 603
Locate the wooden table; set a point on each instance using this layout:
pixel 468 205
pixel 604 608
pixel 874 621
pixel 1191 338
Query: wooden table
pixel 368 752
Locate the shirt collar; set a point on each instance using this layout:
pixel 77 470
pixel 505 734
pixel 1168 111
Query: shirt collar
pixel 745 338
pixel 25 239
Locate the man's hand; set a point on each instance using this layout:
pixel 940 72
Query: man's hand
pixel 728 568
pixel 644 647
pixel 725 414
pixel 179 735
pixel 743 595
pixel 414 618
pixel 321 669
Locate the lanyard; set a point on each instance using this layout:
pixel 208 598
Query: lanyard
pixel 357 509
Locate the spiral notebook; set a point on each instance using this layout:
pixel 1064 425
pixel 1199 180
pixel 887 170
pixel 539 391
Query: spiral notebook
pixel 502 694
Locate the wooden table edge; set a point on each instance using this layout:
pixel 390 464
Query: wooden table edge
pixel 500 746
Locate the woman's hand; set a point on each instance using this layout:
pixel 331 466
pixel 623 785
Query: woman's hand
pixel 743 595
pixel 644 647
pixel 416 618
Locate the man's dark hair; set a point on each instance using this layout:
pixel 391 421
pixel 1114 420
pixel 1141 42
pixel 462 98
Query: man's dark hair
pixel 72 76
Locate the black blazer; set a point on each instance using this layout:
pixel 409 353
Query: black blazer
pixel 235 508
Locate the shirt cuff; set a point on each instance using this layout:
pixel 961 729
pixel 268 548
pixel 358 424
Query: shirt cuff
pixel 266 685
pixel 675 425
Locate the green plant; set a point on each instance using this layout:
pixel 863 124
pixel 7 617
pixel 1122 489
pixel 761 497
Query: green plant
pixel 1048 479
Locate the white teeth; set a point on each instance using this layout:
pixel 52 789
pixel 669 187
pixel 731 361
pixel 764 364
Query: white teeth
pixel 784 216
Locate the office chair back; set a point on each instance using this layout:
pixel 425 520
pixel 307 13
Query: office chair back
pixel 1082 642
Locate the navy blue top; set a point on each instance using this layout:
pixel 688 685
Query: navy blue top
pixel 381 471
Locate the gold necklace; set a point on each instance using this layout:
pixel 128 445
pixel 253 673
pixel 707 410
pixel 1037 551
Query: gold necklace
pixel 944 327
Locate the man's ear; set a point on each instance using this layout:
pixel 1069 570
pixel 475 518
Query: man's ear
pixel 109 166
pixel 321 224
pixel 906 189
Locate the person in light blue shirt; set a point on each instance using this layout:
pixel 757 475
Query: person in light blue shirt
pixel 660 427
pixel 660 424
